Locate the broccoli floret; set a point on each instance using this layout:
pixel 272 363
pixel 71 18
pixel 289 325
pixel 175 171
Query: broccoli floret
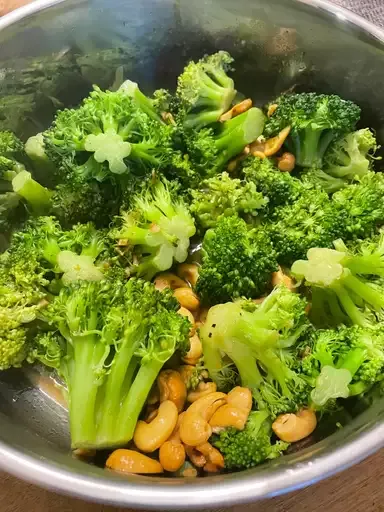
pixel 11 146
pixel 107 134
pixel 351 156
pixel 313 220
pixel 318 178
pixel 343 362
pixel 278 187
pixel 35 150
pixel 343 284
pixel 222 196
pixel 205 91
pixel 159 226
pixel 255 341
pixel 118 337
pixel 37 197
pixel 362 206
pixel 315 120
pixel 251 446
pixel 236 261
pixel 211 148
pixel 145 104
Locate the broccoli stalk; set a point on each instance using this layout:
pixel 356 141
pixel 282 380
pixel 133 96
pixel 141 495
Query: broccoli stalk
pixel 118 337
pixel 315 120
pixel 37 197
pixel 205 91
pixel 342 283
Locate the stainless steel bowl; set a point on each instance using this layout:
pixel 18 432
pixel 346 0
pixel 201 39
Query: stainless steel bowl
pixel 277 44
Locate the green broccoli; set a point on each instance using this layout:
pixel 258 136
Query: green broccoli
pixel 362 206
pixel 251 446
pixel 236 261
pixel 211 148
pixel 256 341
pixel 159 226
pixel 318 178
pixel 315 120
pixel 117 338
pixel 222 196
pixel 313 220
pixel 343 284
pixel 107 134
pixel 205 91
pixel 278 187
pixel 343 362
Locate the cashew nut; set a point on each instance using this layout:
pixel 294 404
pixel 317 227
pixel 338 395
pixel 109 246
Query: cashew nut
pixel 172 387
pixel 235 413
pixel 172 452
pixel 195 351
pixel 185 312
pixel 154 397
pixel 287 162
pixel 212 455
pixel 84 453
pixel 294 427
pixel 148 437
pixel 270 146
pixel 169 280
pixel 189 272
pixel 195 457
pixel 238 109
pixel 195 428
pixel 129 461
pixel 203 389
pixel 272 109
pixel 279 278
pixel 187 298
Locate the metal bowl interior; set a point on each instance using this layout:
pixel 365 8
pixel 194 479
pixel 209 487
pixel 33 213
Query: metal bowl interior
pixel 278 44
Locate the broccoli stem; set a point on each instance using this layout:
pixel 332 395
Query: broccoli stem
pixel 131 407
pixel 349 306
pixel 368 264
pixel 118 380
pixel 353 360
pixel 38 198
pixel 87 354
pixel 307 153
pixel 363 290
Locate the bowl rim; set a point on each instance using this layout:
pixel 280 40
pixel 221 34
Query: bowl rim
pixel 220 491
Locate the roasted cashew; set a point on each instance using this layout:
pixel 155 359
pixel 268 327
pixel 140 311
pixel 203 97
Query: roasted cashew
pixel 129 461
pixel 187 298
pixel 148 437
pixel 154 397
pixel 270 146
pixel 172 387
pixel 169 280
pixel 195 456
pixel 279 278
pixel 195 351
pixel 212 455
pixel 83 453
pixel 203 389
pixel 235 413
pixel 172 452
pixel 272 109
pixel 211 468
pixel 195 428
pixel 188 272
pixel 287 162
pixel 151 413
pixel 185 312
pixel 294 427
pixel 238 109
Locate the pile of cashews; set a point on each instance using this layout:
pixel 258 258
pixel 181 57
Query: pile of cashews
pixel 180 421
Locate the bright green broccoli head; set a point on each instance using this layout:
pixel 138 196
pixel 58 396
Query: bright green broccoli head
pixel 251 446
pixel 205 91
pixel 315 121
pixel 236 262
pixel 222 196
pixel 159 226
pixel 10 145
pixel 278 187
pixel 107 134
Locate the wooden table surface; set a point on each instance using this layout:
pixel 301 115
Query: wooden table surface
pixel 359 489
